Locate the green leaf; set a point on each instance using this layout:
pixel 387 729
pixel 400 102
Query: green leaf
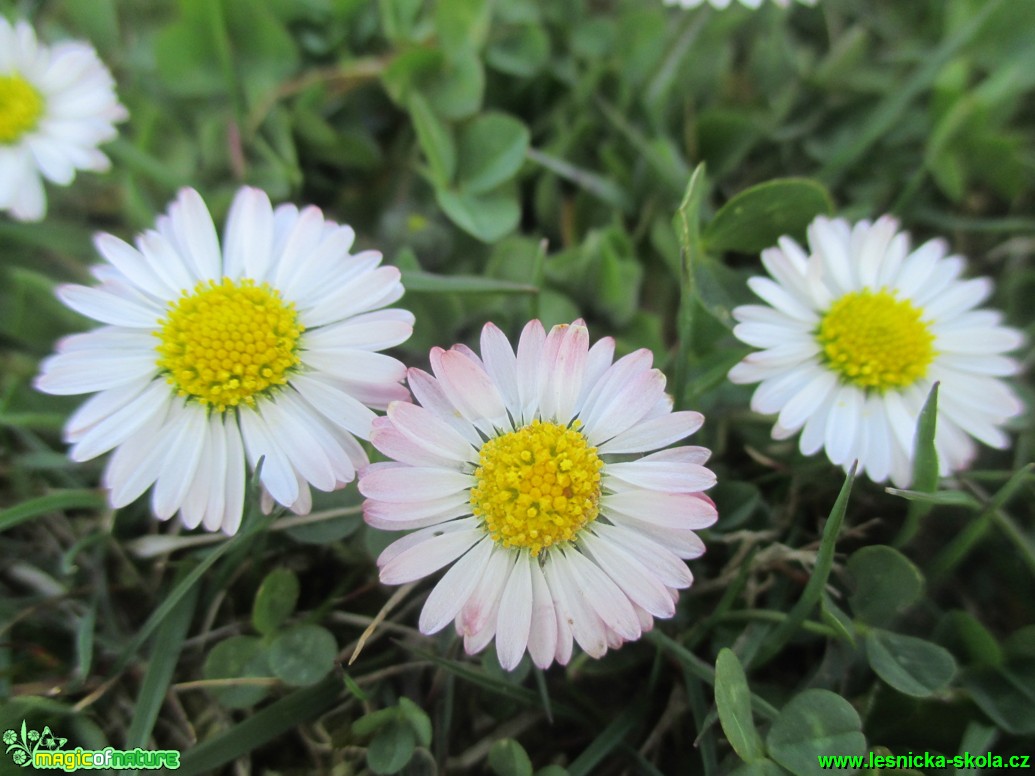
pixel 456 90
pixel 967 638
pixel 885 584
pixel 520 51
pixel 755 218
pixel 491 148
pixel 238 657
pixel 303 655
pixel 733 700
pixel 910 665
pixel 391 748
pixel 370 723
pixel 417 719
pixel 1006 694
pixel 487 217
pixel 508 758
pixel 462 25
pixel 275 600
pixel 435 138
pixel 815 722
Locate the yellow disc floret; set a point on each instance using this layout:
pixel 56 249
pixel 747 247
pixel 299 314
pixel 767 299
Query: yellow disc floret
pixel 876 341
pixel 537 486
pixel 224 343
pixel 20 107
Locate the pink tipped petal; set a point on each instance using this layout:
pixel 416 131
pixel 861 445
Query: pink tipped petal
pixel 437 549
pixel 456 586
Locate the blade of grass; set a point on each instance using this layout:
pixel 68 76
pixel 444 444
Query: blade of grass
pixel 52 502
pixel 883 119
pixel 429 283
pixel 925 467
pixel 817 582
pixel 688 228
pixel 262 727
pixel 703 670
pixel 160 667
pixel 605 743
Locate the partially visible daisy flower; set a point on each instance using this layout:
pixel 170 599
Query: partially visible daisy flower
pixel 57 104
pixel 857 331
pixel 527 473
pixel 720 4
pixel 264 348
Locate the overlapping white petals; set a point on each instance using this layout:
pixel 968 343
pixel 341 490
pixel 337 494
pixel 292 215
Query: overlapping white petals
pixel 196 457
pixel 79 110
pixel 620 571
pixel 872 426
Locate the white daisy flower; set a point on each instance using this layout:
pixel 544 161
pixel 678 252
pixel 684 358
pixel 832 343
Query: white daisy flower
pixel 57 104
pixel 720 4
pixel 526 473
pixel 264 348
pixel 856 332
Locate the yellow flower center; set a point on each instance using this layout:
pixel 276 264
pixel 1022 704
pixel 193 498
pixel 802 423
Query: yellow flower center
pixel 537 486
pixel 20 107
pixel 225 342
pixel 875 340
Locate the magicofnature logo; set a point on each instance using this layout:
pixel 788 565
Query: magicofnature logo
pixel 45 750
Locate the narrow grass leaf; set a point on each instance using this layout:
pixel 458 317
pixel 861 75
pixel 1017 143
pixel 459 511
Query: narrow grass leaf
pixel 262 727
pixel 817 581
pixel 161 665
pixel 52 502
pixel 610 737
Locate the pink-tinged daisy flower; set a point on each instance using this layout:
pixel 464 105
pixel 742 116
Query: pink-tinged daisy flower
pixel 720 4
pixel 57 104
pixel 527 473
pixel 264 348
pixel 855 333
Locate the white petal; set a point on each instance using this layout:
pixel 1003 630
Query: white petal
pixel 248 235
pixel 469 388
pixel 429 555
pixel 673 510
pixel 668 476
pixel 277 475
pixel 654 433
pixel 501 365
pixel 183 452
pixel 564 364
pixel 412 483
pixel 426 430
pixel 542 637
pixel 399 516
pixel 514 620
pixel 106 307
pixel 452 591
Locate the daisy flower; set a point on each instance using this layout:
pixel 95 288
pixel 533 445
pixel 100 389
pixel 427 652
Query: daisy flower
pixel 57 104
pixel 526 472
pixel 720 4
pixel 856 332
pixel 264 348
